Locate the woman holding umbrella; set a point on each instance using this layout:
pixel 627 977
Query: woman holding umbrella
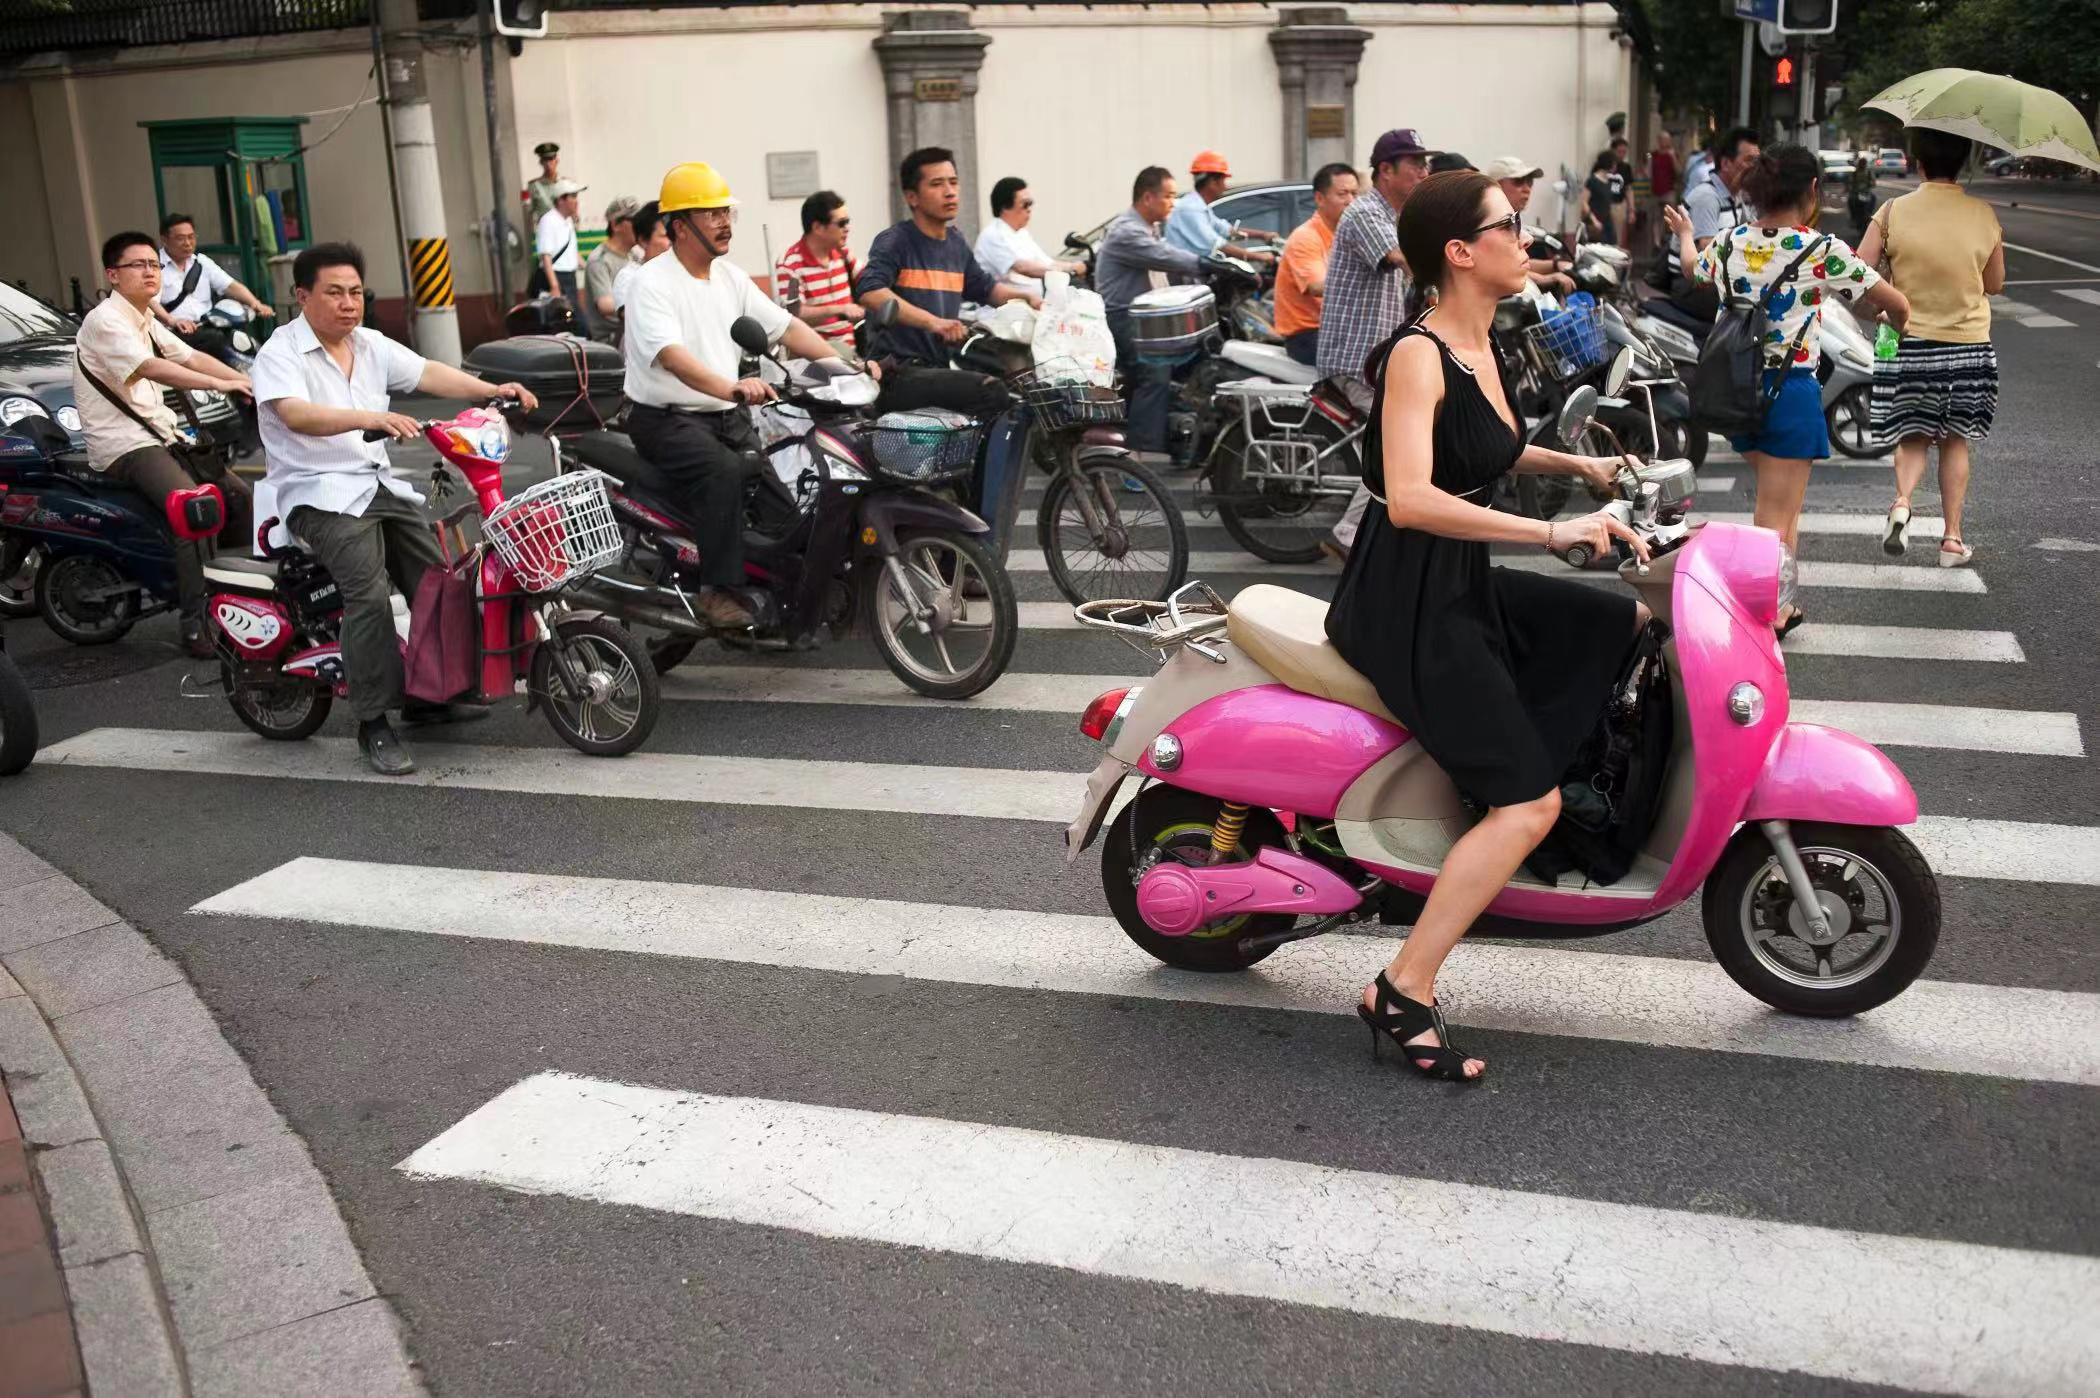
pixel 1946 254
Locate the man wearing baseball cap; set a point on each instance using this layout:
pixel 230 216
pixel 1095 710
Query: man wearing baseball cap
pixel 604 265
pixel 1367 287
pixel 554 242
pixel 1516 176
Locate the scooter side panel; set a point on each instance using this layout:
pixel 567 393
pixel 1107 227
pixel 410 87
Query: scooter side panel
pixel 1179 686
pixel 1818 773
pixel 1272 746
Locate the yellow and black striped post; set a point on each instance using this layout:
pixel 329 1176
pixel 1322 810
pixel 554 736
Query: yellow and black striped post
pixel 430 266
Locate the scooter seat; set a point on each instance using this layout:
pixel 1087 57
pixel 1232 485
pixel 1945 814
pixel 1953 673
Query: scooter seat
pixel 614 454
pixel 1670 311
pixel 1285 632
pixel 241 573
pixel 1271 361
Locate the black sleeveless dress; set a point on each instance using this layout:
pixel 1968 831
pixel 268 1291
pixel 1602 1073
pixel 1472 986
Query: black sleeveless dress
pixel 1499 674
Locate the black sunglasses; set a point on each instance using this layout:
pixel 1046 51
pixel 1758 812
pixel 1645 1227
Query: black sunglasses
pixel 1513 222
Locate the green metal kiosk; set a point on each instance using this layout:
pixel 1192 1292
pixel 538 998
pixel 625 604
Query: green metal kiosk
pixel 244 180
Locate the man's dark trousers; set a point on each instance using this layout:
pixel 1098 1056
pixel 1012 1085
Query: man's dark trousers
pixel 702 454
pixel 361 552
pixel 155 473
pixel 1150 386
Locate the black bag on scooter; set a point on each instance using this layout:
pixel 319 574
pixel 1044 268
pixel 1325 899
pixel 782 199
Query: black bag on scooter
pixel 1613 790
pixel 1727 384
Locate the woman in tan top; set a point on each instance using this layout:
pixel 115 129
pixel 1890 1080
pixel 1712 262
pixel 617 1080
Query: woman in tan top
pixel 1945 252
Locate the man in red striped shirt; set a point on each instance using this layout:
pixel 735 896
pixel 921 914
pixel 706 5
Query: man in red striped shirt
pixel 824 269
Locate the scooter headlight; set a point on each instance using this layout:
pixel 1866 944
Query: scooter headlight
pixel 14 409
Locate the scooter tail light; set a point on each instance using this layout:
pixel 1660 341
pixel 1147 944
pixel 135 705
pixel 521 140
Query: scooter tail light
pixel 1102 713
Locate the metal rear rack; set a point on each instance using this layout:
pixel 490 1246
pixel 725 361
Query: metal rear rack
pixel 1162 628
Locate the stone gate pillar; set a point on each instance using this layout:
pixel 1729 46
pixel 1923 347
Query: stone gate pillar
pixel 1317 51
pixel 930 60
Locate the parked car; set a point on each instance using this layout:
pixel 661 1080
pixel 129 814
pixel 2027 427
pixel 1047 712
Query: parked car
pixel 1891 161
pixel 36 372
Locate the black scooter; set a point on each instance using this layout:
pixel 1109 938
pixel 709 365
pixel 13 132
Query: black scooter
pixel 861 536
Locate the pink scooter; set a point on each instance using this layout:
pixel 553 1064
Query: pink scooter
pixel 1281 800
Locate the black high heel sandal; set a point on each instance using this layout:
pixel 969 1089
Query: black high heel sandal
pixel 1400 1018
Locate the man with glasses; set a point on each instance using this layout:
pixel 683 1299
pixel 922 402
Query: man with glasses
pixel 124 358
pixel 1516 176
pixel 1367 289
pixel 1711 198
pixel 191 284
pixel 816 272
pixel 688 413
pixel 1006 250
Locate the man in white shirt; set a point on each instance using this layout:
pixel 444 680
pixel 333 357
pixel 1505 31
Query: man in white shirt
pixel 321 383
pixel 124 359
pixel 191 283
pixel 1007 250
pixel 688 416
pixel 555 243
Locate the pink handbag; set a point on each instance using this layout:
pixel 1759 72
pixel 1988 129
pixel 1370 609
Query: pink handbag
pixel 441 650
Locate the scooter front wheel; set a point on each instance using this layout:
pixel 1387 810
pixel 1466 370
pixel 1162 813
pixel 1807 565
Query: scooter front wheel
pixel 1165 822
pixel 971 619
pixel 1877 891
pixel 620 696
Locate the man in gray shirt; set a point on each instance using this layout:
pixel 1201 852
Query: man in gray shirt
pixel 1715 207
pixel 605 262
pixel 1129 253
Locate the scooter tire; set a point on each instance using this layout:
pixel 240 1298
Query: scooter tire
pixel 1854 405
pixel 667 653
pixel 1911 889
pixel 1168 818
pixel 55 575
pixel 607 638
pixel 257 719
pixel 19 565
pixel 1005 614
pixel 18 732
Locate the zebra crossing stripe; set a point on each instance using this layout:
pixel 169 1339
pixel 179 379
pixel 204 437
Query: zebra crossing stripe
pixel 1844 525
pixel 1947 726
pixel 1918 1313
pixel 1957 846
pixel 1935 1026
pixel 1027 693
pixel 1872 577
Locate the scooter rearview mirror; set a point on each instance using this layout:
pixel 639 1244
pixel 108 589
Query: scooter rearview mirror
pixel 1575 415
pixel 1620 371
pixel 750 336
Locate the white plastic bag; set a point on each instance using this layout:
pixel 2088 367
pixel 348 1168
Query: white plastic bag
pixel 1072 341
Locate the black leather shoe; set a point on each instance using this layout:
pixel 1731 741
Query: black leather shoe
pixel 419 714
pixel 383 748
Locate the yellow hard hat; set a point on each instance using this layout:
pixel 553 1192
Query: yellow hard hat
pixel 694 185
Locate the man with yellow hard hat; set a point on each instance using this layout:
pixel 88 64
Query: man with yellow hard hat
pixel 688 415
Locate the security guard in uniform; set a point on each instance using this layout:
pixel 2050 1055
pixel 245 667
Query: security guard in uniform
pixel 540 193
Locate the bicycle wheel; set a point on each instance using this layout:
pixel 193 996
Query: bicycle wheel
pixel 1109 528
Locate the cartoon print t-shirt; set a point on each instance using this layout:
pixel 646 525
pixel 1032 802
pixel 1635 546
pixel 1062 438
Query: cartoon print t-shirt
pixel 1753 258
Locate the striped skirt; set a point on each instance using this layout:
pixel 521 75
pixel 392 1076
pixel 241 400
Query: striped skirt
pixel 1934 389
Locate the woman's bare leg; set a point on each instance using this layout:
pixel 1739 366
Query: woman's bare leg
pixel 1782 484
pixel 1910 466
pixel 1954 482
pixel 1479 866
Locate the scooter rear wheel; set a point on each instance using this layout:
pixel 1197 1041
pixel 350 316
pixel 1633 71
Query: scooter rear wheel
pixel 1851 421
pixel 286 712
pixel 1165 822
pixel 60 585
pixel 1881 898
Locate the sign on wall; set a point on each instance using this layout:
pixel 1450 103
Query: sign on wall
pixel 792 174
pixel 1326 119
pixel 937 90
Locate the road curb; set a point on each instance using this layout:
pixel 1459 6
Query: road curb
pixel 201 1249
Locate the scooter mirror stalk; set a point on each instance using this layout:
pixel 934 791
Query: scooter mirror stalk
pixel 1575 415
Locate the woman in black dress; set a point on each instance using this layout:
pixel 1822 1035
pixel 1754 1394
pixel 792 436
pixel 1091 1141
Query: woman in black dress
pixel 1499 674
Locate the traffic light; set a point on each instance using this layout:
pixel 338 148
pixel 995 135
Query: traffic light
pixel 1783 71
pixel 521 19
pixel 1808 16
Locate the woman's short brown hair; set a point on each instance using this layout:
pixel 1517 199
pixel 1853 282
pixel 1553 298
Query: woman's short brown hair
pixel 1443 208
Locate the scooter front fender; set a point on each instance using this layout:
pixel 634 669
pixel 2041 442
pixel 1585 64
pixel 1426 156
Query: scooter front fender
pixel 887 514
pixel 1818 773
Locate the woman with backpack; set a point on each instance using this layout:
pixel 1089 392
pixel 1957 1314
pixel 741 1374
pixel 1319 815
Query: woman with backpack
pixel 1780 265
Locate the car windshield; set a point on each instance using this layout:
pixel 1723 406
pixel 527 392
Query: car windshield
pixel 23 317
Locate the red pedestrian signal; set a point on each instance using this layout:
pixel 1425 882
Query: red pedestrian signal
pixel 1783 71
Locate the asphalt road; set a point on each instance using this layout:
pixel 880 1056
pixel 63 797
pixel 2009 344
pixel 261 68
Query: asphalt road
pixel 383 1002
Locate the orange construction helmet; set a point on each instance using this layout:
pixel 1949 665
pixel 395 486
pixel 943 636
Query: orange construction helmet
pixel 1209 162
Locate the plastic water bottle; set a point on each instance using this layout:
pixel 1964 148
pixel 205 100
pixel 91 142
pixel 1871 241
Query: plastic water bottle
pixel 1885 341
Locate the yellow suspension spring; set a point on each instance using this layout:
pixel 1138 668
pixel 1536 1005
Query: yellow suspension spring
pixel 1225 832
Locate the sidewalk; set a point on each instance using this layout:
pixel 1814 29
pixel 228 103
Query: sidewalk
pixel 185 1243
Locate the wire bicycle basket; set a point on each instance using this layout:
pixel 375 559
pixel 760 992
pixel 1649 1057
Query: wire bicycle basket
pixel 555 532
pixel 1568 343
pixel 924 445
pixel 1057 394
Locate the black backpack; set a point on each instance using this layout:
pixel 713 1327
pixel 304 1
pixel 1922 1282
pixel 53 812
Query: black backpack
pixel 1727 387
pixel 1613 790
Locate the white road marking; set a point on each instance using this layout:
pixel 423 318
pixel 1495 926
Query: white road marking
pixel 1931 643
pixel 1717 483
pixel 2080 293
pixel 1850 526
pixel 1958 847
pixel 2067 545
pixel 1741 1292
pixel 1876 577
pixel 1947 726
pixel 2053 257
pixel 1201 563
pixel 1027 693
pixel 1935 1026
pixel 1048 616
pixel 2033 317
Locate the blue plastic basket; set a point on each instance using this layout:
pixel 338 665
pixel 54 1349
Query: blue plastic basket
pixel 1570 341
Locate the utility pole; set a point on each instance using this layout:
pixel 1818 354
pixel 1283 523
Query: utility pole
pixel 499 179
pixel 419 189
